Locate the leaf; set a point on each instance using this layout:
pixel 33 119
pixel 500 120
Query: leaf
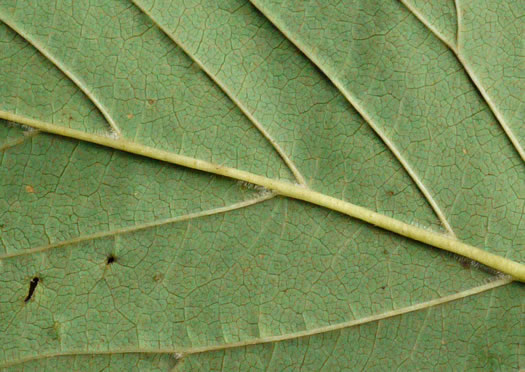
pixel 128 361
pixel 147 265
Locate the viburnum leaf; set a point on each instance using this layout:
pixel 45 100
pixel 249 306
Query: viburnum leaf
pixel 264 185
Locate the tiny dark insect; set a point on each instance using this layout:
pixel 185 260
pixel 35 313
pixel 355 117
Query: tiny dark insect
pixel 110 259
pixel 32 286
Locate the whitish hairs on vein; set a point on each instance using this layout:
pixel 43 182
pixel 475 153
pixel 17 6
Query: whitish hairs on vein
pixel 27 129
pixel 112 134
pixel 468 263
pixel 250 186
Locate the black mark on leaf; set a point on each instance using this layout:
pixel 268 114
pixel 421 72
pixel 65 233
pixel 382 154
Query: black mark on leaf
pixel 110 259
pixel 32 286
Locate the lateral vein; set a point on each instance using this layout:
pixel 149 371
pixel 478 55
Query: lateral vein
pixel 182 352
pixel 66 72
pixel 186 217
pixel 352 323
pixel 291 165
pixel 362 112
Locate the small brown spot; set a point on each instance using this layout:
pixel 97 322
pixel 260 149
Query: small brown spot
pixel 465 264
pixel 30 189
pixel 158 277
pixel 55 331
pixel 70 117
pixel 383 287
pixel 151 101
pixel 129 116
pixel 385 251
pixel 390 193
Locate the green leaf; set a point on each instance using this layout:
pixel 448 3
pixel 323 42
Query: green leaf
pixel 109 362
pixel 293 116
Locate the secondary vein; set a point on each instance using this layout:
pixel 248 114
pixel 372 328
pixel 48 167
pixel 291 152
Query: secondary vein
pixel 291 165
pixel 352 323
pixel 66 72
pixel 363 113
pixel 182 352
pixel 186 217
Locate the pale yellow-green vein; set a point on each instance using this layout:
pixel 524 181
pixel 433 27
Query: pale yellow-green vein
pixel 182 352
pixel 505 265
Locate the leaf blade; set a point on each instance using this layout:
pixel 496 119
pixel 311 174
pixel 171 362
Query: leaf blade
pixel 321 269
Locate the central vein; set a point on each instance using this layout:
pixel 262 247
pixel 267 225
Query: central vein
pixel 513 268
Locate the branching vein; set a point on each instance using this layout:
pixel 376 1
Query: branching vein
pixel 470 73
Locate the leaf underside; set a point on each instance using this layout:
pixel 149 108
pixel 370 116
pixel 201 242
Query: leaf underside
pixel 413 109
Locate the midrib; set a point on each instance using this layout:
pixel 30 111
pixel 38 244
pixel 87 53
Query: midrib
pixel 299 192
